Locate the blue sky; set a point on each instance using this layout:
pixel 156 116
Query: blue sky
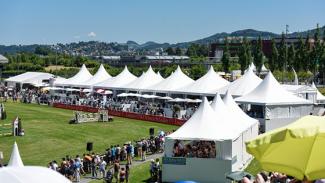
pixel 63 21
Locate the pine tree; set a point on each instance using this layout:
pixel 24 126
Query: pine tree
pixel 273 61
pixel 300 56
pixel 283 54
pixel 178 51
pixel 226 57
pixel 244 59
pixel 291 56
pixel 258 54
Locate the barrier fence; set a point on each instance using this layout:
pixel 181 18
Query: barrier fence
pixel 131 115
pixel 5 129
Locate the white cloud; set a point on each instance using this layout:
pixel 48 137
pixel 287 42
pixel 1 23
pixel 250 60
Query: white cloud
pixel 91 34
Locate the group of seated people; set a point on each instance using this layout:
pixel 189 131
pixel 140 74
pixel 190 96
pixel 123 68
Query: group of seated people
pixel 194 149
pixel 274 177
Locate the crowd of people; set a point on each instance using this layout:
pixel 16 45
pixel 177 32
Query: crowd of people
pixel 194 149
pixel 275 177
pixel 108 165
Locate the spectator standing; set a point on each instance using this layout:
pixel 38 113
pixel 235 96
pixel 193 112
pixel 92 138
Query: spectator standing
pixel 116 170
pixel 129 154
pixel 127 173
pixel 102 167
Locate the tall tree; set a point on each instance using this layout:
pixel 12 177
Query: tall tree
pixel 170 51
pixel 283 54
pixel 178 51
pixel 258 54
pixel 317 50
pixel 300 56
pixel 226 57
pixel 291 55
pixel 244 59
pixel 273 61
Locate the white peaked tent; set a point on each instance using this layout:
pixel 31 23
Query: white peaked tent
pixel 264 69
pixel 207 125
pixel 16 172
pixel 251 66
pixel 242 85
pixel 175 81
pixel 159 75
pixel 101 75
pixel 270 92
pixel 147 79
pixel 274 106
pixel 320 97
pixel 207 84
pixel 237 111
pixel 15 159
pixel 82 76
pixel 124 78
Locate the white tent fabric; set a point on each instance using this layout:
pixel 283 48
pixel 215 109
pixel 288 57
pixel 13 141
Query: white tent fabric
pixel 145 80
pixel 242 85
pixel 270 92
pixel 209 83
pixel 237 111
pixel 295 81
pixel 15 159
pixel 58 80
pixel 101 75
pixel 206 124
pixel 118 81
pixel 31 174
pixel 264 69
pixel 78 79
pixel 159 75
pixel 33 78
pixel 251 66
pixel 175 81
pixel 320 96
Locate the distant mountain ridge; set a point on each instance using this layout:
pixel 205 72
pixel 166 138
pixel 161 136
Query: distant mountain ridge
pixel 150 45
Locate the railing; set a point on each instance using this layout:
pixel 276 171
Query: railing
pixel 131 115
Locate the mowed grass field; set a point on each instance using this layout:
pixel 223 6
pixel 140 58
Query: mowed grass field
pixel 49 136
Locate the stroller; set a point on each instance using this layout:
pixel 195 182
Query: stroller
pixel 109 177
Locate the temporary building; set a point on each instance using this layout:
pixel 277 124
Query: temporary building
pixel 101 75
pixel 175 81
pixel 147 79
pixel 207 84
pixel 273 105
pixel 242 85
pixel 303 91
pixel 80 78
pixel 320 98
pixel 16 172
pixel 122 79
pixel 33 78
pixel 206 125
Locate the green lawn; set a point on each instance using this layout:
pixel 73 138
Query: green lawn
pixel 49 136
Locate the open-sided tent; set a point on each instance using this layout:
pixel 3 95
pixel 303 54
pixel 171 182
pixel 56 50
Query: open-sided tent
pixel 101 75
pixel 78 79
pixel 175 81
pixel 145 80
pixel 32 78
pixel 242 85
pixel 207 125
pixel 207 84
pixel 124 78
pixel 274 105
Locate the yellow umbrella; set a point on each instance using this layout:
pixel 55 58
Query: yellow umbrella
pixel 297 149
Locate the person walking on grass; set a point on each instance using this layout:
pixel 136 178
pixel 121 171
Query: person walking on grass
pixel 127 173
pixel 122 175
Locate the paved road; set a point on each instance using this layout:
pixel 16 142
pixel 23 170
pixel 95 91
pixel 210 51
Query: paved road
pixel 135 163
